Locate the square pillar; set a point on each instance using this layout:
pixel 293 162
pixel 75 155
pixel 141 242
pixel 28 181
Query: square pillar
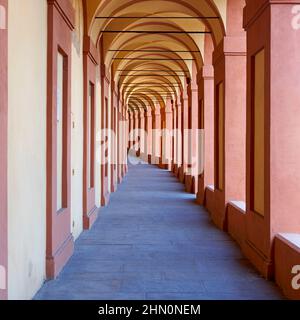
pixel 229 60
pixel 273 131
pixel 174 137
pixel 206 110
pixel 59 239
pixel 185 128
pixel 90 63
pixel 179 133
pixel 156 135
pixel 191 184
pixel 166 136
pixel 105 83
pixel 149 121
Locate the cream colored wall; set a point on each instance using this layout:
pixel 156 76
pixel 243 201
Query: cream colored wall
pixel 27 54
pixel 77 122
pixel 222 7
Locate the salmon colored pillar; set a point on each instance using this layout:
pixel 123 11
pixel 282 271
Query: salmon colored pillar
pixel 273 131
pixel 166 136
pixel 149 134
pixel 191 183
pixel 229 60
pixel 185 128
pixel 173 155
pixel 113 137
pixel 3 148
pixel 178 163
pixel 59 239
pixel 90 63
pixel 123 137
pixel 136 130
pixel 105 82
pixel 156 138
pixel 206 121
pixel 142 131
pixel 130 128
pixel 105 123
pixel 120 142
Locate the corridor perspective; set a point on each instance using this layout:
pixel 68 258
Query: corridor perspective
pixel 144 247
pixel 149 149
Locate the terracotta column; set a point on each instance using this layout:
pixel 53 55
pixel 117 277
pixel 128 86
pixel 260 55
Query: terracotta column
pixel 142 130
pixel 120 142
pixel 123 133
pixel 229 60
pixel 126 116
pixel 60 242
pixel 179 134
pixel 90 63
pixel 105 82
pixel 156 140
pixel 113 136
pixel 136 130
pixel 130 129
pixel 3 148
pixel 206 116
pixel 273 131
pixel 191 183
pixel 166 136
pixel 149 134
pixel 174 137
pixel 185 128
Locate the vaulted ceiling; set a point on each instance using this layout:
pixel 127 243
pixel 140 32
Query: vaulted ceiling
pixel 155 44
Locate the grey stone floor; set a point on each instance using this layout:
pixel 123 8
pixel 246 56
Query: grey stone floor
pixel 154 242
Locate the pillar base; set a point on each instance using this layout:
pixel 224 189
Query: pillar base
pixel 218 220
pixel 90 218
pixel 181 175
pixel 173 167
pixel 190 184
pixel 176 170
pixel 55 263
pixel 113 187
pixel 154 160
pixel 105 200
pixel 219 213
pixel 264 265
pixel 200 196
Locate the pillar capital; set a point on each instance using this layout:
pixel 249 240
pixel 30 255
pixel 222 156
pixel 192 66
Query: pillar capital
pixel 169 105
pixel 207 72
pixel 230 46
pixel 157 109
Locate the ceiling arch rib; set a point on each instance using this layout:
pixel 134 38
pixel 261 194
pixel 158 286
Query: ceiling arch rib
pixel 143 50
pixel 206 11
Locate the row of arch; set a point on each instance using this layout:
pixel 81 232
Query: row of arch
pixel 177 65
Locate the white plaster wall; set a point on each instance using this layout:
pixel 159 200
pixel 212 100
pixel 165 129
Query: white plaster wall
pixel 27 54
pixel 77 122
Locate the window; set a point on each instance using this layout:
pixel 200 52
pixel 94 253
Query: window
pixel 257 129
